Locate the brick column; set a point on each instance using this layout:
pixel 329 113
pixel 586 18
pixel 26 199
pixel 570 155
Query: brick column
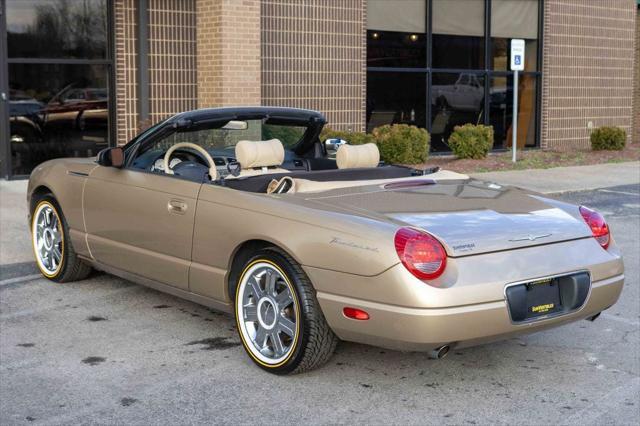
pixel 636 89
pixel 314 56
pixel 228 58
pixel 125 70
pixel 172 58
pixel 588 69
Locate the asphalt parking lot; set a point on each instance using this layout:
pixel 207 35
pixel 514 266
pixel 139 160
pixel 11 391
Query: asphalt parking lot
pixel 107 351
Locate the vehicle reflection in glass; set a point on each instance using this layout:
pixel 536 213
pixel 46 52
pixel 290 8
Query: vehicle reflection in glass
pixel 456 99
pixel 71 123
pixel 77 108
pixel 57 108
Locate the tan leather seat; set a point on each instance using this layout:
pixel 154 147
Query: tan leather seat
pixel 358 156
pixel 259 157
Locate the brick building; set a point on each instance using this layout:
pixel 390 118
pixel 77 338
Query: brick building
pixel 84 74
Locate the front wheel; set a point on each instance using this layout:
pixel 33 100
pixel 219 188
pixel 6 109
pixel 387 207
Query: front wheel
pixel 55 256
pixel 279 319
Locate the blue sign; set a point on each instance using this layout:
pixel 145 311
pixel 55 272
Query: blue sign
pixel 518 60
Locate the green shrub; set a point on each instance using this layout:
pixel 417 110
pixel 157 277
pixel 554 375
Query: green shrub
pixel 398 143
pixel 353 138
pixel 471 141
pixel 402 144
pixel 609 138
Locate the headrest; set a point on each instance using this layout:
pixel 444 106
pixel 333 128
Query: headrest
pixel 358 156
pixel 252 154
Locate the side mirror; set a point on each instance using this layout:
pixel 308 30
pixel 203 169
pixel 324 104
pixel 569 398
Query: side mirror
pixel 332 145
pixel 111 157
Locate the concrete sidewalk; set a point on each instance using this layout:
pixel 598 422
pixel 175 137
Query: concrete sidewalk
pixel 567 179
pixel 15 244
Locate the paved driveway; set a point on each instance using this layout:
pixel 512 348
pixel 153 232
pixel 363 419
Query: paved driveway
pixel 108 351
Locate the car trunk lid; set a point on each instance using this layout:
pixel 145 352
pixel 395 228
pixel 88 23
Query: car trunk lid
pixel 469 217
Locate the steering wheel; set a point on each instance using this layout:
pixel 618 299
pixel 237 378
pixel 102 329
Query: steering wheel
pixel 213 172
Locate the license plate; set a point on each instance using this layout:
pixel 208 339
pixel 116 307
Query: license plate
pixel 543 297
pixel 548 296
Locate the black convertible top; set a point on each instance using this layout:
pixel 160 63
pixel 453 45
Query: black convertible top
pixel 293 116
pixel 211 117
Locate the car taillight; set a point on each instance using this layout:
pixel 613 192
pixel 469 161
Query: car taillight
pixel 598 225
pixel 420 253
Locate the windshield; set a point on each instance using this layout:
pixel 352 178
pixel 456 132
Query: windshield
pixel 222 140
pixel 226 137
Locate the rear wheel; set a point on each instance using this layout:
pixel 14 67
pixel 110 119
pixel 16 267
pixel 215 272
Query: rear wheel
pixel 279 319
pixel 55 256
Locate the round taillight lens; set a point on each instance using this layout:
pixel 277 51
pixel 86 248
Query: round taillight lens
pixel 421 253
pixel 598 225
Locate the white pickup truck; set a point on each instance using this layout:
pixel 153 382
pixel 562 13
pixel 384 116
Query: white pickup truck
pixel 466 94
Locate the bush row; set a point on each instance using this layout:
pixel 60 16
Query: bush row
pixel 404 144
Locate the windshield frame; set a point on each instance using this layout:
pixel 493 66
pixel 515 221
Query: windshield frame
pixel 218 117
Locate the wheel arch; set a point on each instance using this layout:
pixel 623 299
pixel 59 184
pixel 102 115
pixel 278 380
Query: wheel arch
pixel 242 253
pixel 38 193
pixel 25 123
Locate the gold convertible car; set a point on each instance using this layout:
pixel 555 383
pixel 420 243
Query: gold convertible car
pixel 307 242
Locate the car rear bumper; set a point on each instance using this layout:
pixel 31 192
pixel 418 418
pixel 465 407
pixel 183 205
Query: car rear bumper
pixel 423 329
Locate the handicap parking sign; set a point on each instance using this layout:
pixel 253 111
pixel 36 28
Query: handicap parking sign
pixel 517 55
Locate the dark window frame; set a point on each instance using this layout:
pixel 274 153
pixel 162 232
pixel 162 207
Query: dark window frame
pixel 109 62
pixel 5 148
pixel 487 73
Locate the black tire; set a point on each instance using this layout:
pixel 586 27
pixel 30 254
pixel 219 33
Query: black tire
pixel 315 342
pixel 72 268
pixel 28 134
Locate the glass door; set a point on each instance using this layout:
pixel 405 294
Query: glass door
pixel 57 64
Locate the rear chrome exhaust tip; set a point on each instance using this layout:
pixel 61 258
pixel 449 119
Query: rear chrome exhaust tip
pixel 594 317
pixel 439 353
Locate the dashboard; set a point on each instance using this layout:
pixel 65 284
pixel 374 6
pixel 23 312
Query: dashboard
pixel 158 165
pixel 153 161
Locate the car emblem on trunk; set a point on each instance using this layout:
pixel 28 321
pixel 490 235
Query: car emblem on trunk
pixel 530 237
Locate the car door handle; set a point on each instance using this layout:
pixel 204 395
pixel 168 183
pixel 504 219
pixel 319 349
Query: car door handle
pixel 177 206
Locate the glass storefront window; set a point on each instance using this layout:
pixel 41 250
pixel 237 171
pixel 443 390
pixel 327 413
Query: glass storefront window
pixel 501 110
pixel 59 67
pixel 456 99
pixel 458 34
pixel 56 111
pixel 458 52
pixel 460 82
pixel 396 49
pixel 396 98
pixel 57 29
pixel 396 33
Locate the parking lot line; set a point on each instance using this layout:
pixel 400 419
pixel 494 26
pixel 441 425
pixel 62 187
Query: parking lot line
pixel 619 192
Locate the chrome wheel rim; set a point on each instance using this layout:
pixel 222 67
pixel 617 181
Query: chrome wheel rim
pixel 267 313
pixel 47 239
